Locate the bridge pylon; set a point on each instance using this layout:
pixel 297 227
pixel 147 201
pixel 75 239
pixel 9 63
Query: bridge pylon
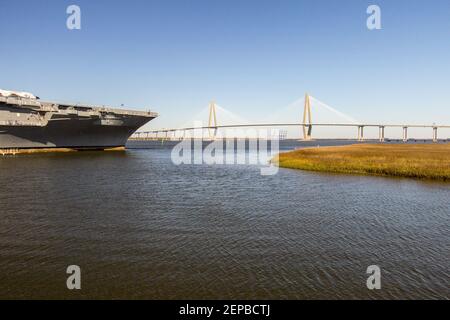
pixel 212 122
pixel 307 119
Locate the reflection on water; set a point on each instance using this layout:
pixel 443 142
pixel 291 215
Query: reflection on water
pixel 141 227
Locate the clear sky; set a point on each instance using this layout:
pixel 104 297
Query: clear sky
pixel 251 56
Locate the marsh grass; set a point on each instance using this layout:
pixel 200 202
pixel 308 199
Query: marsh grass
pixel 420 161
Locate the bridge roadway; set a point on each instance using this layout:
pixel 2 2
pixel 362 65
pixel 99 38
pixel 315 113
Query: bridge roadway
pixel 360 127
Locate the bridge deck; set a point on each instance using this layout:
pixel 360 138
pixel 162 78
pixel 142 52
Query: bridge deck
pixel 267 125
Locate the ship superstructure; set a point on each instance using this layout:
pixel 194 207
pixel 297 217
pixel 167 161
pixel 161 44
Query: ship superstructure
pixel 26 122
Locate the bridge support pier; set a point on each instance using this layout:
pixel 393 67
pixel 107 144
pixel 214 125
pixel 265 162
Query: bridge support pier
pixel 361 133
pixel 307 119
pixel 212 123
pixel 435 134
pixel 405 134
pixel 307 132
pixel 381 133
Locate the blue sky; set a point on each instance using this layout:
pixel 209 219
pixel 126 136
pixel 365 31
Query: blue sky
pixel 252 57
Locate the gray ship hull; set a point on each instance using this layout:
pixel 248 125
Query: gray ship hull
pixel 47 126
pixel 74 134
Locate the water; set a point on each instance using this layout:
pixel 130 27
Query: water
pixel 140 227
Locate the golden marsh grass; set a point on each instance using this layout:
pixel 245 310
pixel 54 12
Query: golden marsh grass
pixel 420 161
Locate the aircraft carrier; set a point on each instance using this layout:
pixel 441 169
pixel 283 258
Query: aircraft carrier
pixel 28 124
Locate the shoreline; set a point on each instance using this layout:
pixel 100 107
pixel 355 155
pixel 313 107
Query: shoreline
pixel 17 151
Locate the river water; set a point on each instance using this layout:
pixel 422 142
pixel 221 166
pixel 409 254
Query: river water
pixel 142 228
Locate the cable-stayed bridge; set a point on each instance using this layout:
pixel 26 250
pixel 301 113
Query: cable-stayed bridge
pixel 306 125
